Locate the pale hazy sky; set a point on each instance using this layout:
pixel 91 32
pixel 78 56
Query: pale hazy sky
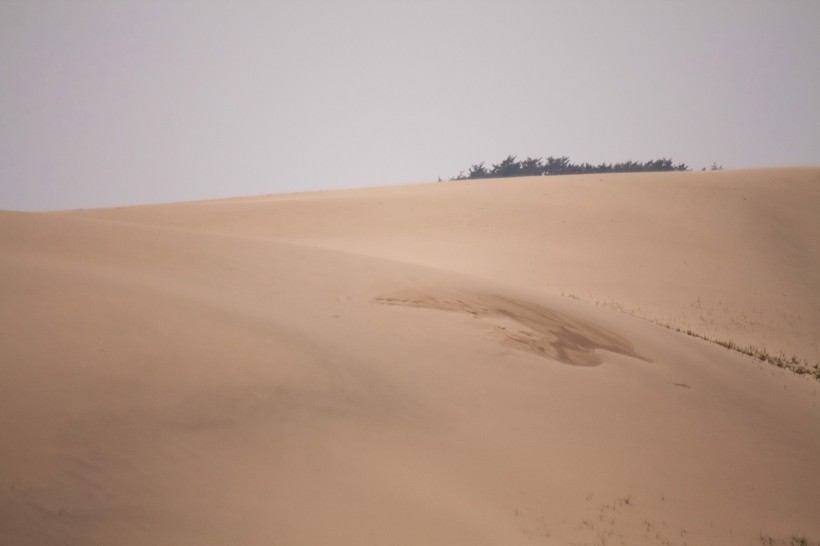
pixel 139 101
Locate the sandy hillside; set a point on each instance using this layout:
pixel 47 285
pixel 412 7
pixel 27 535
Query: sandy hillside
pixel 453 363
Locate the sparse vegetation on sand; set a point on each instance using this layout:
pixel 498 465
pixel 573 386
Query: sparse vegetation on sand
pixel 793 364
pixel 799 366
pixel 794 540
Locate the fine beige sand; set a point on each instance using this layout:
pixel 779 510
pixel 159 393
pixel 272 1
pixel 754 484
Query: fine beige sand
pixel 469 362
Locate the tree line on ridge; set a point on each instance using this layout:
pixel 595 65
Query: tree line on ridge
pixel 552 166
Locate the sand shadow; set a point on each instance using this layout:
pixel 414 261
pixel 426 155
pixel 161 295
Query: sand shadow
pixel 524 325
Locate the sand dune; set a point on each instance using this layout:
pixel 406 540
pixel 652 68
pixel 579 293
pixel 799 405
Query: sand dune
pixel 402 365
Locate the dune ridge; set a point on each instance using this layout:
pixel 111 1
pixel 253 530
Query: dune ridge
pixel 401 365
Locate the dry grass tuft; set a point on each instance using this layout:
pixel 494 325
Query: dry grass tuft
pixel 794 364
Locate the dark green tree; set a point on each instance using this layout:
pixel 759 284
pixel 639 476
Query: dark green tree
pixel 531 167
pixel 507 168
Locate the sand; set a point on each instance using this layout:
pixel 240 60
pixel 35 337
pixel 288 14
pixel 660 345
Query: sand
pixel 469 362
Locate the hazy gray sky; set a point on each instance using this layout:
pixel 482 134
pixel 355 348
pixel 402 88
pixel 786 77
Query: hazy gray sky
pixel 138 101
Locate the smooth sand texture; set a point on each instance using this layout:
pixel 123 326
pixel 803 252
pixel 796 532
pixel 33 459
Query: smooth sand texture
pixel 399 366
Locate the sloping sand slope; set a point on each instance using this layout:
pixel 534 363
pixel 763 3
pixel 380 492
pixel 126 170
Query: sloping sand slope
pixel 398 366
